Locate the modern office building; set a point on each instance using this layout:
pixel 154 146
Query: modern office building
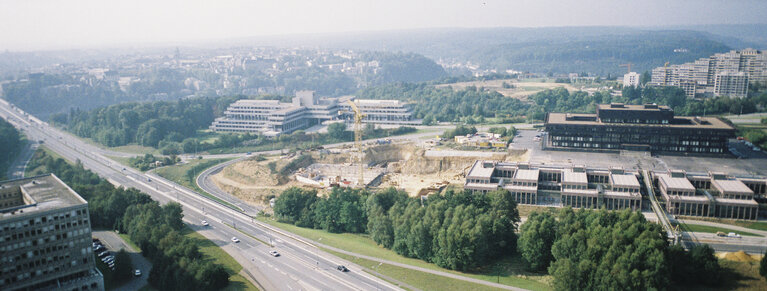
pixel 272 117
pixel 700 78
pixel 709 195
pixel 575 186
pixel 45 237
pixel 380 112
pixel 648 127
pixel 631 79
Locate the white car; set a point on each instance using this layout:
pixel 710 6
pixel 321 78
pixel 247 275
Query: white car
pixel 137 273
pixel 235 240
pixel 274 253
pixel 204 223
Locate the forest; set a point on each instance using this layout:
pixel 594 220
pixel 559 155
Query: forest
pixel 10 146
pixel 611 250
pixel 177 263
pixel 456 230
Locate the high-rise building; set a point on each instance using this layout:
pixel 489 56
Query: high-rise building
pixel 45 237
pixel 699 78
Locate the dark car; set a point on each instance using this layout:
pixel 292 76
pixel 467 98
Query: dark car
pixel 342 268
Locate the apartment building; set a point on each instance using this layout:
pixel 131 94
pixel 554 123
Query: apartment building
pixel 631 79
pixel 391 112
pixel 725 74
pixel 45 237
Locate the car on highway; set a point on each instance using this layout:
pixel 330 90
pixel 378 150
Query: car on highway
pixel 137 273
pixel 342 268
pixel 274 253
pixel 235 239
pixel 204 223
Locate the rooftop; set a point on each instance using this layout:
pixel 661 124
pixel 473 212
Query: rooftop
pixel 624 180
pixel 731 186
pixel 527 175
pixel 676 183
pixel 678 122
pixel 644 107
pixel 574 177
pixel 478 170
pixel 40 193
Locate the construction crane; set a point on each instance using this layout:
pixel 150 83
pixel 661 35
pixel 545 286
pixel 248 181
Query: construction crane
pixel 358 140
pixel 626 65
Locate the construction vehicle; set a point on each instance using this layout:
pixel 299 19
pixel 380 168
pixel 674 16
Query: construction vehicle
pixel 358 140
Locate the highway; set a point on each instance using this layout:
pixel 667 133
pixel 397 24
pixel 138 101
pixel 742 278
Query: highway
pixel 301 266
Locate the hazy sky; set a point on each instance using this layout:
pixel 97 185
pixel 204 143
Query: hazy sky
pixel 56 24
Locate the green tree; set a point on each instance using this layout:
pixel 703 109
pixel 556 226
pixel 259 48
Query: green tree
pixel 645 78
pixel 337 130
pixel 537 235
pixel 123 266
pixel 763 266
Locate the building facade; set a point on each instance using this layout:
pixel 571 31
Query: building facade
pixel 709 195
pixel 272 117
pixel 646 127
pixel 45 237
pixel 700 78
pixel 631 79
pixel 574 186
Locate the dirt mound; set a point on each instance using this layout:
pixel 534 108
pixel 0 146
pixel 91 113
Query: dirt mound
pixel 739 256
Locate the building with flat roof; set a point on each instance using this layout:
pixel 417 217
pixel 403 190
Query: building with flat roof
pixel 391 112
pixel 631 79
pixel 574 186
pixel 648 127
pixel 721 74
pixel 707 195
pixel 45 237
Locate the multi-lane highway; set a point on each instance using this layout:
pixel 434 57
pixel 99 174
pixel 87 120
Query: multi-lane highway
pixel 301 265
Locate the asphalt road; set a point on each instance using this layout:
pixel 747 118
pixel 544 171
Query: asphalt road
pixel 115 243
pixel 302 266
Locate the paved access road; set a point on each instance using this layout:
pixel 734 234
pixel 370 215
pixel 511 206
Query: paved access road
pixel 302 266
pixel 114 244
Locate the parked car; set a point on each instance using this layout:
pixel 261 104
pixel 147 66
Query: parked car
pixel 137 273
pixel 235 240
pixel 274 253
pixel 204 223
pixel 342 268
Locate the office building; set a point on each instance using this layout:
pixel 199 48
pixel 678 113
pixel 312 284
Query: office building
pixel 574 186
pixel 391 112
pixel 709 195
pixel 725 74
pixel 45 237
pixel 631 79
pixel 648 127
pixel 272 117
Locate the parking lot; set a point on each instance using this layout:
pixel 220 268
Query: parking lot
pixel 114 243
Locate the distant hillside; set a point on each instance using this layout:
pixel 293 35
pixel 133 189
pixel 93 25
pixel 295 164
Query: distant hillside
pixel 553 49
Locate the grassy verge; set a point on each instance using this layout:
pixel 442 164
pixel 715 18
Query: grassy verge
pixel 511 271
pixel 712 229
pixel 735 276
pixel 29 172
pixel 127 240
pixel 747 224
pixel 185 175
pixel 213 252
pixel 122 160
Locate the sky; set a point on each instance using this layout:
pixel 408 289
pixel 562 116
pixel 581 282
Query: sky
pixel 27 25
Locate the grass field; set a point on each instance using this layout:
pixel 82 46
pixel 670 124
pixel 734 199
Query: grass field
pixel 513 273
pixel 712 229
pixel 747 224
pixel 180 174
pixel 213 252
pixel 735 276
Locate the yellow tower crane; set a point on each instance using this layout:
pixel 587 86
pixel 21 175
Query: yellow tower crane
pixel 626 65
pixel 358 140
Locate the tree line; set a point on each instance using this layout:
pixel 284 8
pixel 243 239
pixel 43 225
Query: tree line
pixel 177 263
pixel 613 250
pixel 456 230
pixel 10 146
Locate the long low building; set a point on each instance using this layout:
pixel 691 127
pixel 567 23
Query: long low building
pixel 575 186
pixel 272 117
pixel 691 194
pixel 708 195
pixel 648 127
